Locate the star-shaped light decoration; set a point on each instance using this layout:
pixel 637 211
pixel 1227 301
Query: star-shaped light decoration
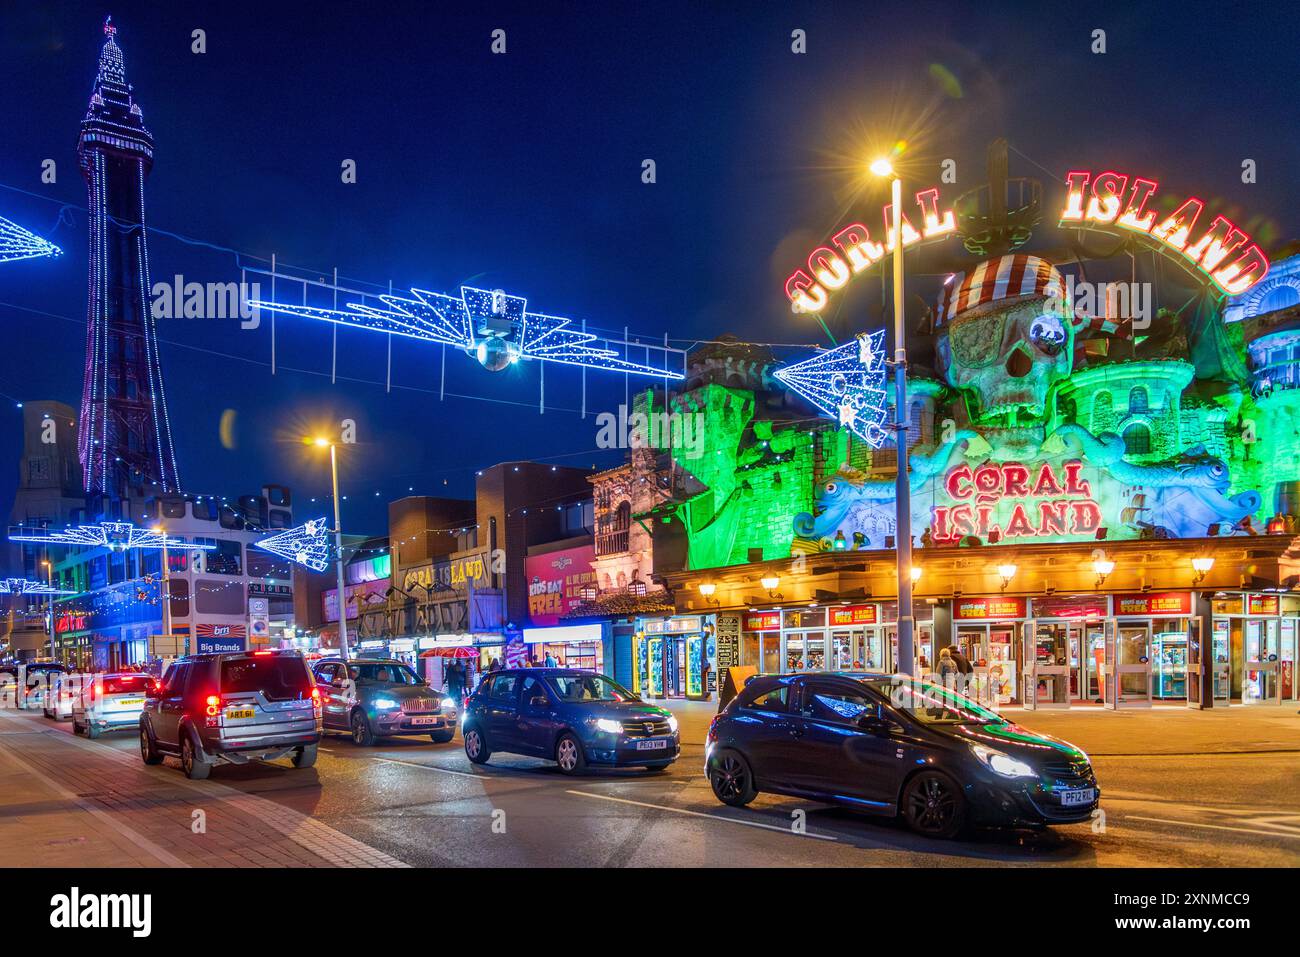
pixel 25 586
pixel 494 327
pixel 847 383
pixel 306 544
pixel 117 536
pixel 19 243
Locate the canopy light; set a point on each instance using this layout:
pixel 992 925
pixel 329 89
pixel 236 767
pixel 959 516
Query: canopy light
pixel 25 586
pixel 490 325
pixel 118 536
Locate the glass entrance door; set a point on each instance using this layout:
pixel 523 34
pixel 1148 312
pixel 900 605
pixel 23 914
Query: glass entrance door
pixel 1286 672
pixel 1133 665
pixel 1046 661
pixel 1169 659
pixel 1094 653
pixel 1220 662
pixel 1259 682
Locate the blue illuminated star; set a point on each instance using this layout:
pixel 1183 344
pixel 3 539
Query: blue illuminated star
pixel 19 243
pixel 306 544
pixel 846 383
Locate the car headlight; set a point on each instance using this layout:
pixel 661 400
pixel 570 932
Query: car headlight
pixel 448 704
pixel 999 763
pixel 385 704
pixel 609 726
pixel 672 724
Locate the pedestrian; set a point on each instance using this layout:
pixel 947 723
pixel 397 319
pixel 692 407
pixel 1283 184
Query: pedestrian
pixel 495 665
pixel 948 670
pixel 455 681
pixel 962 662
pixel 550 661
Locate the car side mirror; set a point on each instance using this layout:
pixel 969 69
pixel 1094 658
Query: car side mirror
pixel 539 701
pixel 873 724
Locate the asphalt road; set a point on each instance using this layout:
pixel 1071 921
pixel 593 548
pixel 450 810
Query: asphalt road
pixel 425 804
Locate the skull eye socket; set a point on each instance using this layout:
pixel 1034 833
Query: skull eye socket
pixel 1047 332
pixel 830 488
pixel 977 341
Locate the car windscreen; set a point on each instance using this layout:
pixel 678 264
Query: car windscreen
pixel 384 673
pixel 279 678
pixel 588 688
pixel 127 684
pixel 931 703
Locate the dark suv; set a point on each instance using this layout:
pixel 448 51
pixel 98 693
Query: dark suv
pixel 233 708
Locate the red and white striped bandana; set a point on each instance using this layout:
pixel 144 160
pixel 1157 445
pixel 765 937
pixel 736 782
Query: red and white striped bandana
pixel 1003 278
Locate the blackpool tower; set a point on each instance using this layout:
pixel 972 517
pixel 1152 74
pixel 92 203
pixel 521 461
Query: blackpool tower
pixel 125 436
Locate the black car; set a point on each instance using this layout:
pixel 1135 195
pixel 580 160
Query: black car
pixel 889 745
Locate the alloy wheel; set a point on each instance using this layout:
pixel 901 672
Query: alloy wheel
pixel 473 744
pixel 729 777
pixel 932 805
pixel 567 755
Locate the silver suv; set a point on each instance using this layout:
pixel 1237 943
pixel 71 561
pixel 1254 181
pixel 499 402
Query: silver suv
pixel 233 708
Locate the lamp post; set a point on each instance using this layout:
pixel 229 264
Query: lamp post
pixel 338 548
pixel 49 602
pixel 902 490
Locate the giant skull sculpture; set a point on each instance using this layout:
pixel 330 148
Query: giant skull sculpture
pixel 1004 343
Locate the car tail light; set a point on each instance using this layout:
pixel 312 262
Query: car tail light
pixel 712 736
pixel 213 705
pixel 261 654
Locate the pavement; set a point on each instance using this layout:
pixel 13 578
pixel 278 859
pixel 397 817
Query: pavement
pixel 1180 788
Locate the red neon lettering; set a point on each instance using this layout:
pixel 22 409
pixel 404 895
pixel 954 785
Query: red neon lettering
pixel 1244 273
pixel 803 290
pixel 1077 182
pixel 961 525
pixel 854 241
pixel 1135 216
pixel 1107 188
pixel 1087 517
pixel 988 479
pixel 939 524
pixel 954 483
pixel 1052 517
pixel 931 223
pixel 1074 485
pixel 1015 480
pixel 1019 524
pixel 1213 248
pixel 1175 230
pixel 1046 483
pixel 830 270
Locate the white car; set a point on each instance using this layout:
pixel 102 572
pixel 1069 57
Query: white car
pixel 111 701
pixel 63 692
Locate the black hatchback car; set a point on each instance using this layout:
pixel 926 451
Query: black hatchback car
pixel 889 745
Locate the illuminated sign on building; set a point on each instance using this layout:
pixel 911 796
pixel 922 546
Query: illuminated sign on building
pixel 1222 253
pixel 1154 603
pixel 1010 500
pixel 1261 604
pixel 855 251
pixel 763 621
pixel 854 615
pixel 976 609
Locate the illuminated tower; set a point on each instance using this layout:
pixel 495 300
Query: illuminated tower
pixel 125 437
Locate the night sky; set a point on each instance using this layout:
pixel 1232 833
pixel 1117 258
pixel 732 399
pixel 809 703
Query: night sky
pixel 523 171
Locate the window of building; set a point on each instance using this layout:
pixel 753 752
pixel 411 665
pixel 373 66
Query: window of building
pixel 222 560
pixel 1137 440
pixel 1137 400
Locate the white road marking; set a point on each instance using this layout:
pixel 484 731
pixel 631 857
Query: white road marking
pixel 1213 827
pixel 428 767
pixel 707 817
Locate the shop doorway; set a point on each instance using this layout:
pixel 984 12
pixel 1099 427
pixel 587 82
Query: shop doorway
pixel 1127 665
pixel 1262 652
pixel 993 653
pixel 857 649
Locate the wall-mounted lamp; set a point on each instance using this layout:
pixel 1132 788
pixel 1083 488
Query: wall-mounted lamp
pixel 1007 572
pixel 771 583
pixel 1103 567
pixel 914 573
pixel 707 589
pixel 1202 567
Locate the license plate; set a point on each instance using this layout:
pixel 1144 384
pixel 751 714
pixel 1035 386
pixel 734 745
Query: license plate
pixel 651 745
pixel 424 719
pixel 240 713
pixel 1081 796
pixel 131 702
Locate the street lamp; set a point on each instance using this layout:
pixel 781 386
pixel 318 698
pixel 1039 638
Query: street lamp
pixel 1202 567
pixel 902 491
pixel 49 602
pixel 1007 572
pixel 167 591
pixel 338 545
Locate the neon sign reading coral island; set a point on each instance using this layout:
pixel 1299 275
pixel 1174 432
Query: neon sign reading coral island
pixel 1223 253
pixel 855 251
pixel 1042 502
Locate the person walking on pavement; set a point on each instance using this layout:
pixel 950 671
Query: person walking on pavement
pixel 550 660
pixel 455 682
pixel 948 670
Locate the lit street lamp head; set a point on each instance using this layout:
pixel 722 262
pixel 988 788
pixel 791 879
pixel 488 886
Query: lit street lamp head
pixel 882 167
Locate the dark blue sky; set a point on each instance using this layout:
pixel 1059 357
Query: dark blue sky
pixel 523 171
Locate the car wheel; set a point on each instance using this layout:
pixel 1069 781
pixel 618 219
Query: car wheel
pixel 442 737
pixel 933 805
pixel 569 756
pixel 195 768
pixel 149 752
pixel 92 732
pixel 76 728
pixel 361 733
pixel 476 746
pixel 731 779
pixel 305 756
